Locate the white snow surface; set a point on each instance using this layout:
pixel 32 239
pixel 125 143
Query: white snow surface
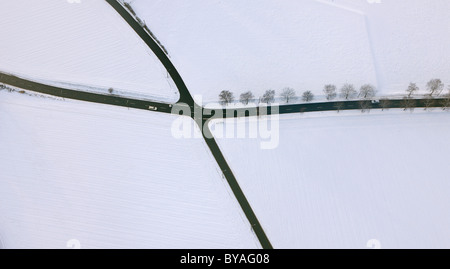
pixel 81 44
pixel 267 44
pixel 410 42
pixel 107 177
pixel 349 180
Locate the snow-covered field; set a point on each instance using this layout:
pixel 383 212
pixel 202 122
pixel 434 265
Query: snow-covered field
pixel 340 180
pixel 266 44
pixel 86 43
pixel 107 177
pixel 409 41
pixel 94 176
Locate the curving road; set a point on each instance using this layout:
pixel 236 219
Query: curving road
pixel 186 98
pixel 212 144
pixel 207 113
pixel 83 96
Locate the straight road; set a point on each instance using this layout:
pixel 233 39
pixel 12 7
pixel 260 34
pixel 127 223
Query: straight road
pixel 116 100
pixel 207 114
pixel 84 96
pixel 186 98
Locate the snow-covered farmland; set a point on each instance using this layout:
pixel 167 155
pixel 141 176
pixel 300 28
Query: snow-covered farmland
pixel 107 177
pixel 410 41
pixel 341 180
pixel 266 44
pixel 85 43
pixel 258 45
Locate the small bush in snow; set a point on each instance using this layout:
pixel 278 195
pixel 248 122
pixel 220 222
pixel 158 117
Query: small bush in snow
pixel 128 6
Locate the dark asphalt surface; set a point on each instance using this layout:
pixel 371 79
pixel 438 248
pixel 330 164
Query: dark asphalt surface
pixel 185 95
pixel 212 144
pixel 83 96
pixel 186 98
pixel 111 99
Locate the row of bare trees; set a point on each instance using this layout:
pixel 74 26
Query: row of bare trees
pixel 288 95
pixel 347 92
pixel 429 103
pixel 434 88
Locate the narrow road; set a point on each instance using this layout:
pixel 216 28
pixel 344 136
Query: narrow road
pixel 208 113
pixel 185 95
pixel 84 96
pixel 116 100
pixel 186 98
pixel 325 106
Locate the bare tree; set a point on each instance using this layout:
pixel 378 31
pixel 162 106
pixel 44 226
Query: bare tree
pixel 348 91
pixel 435 87
pixel 365 106
pixel 268 97
pixel 339 106
pixel 288 94
pixel 246 97
pixel 330 92
pixel 429 102
pixel 367 91
pixel 110 90
pixel 226 97
pixel 408 103
pixel 308 96
pixel 412 88
pixel 385 104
